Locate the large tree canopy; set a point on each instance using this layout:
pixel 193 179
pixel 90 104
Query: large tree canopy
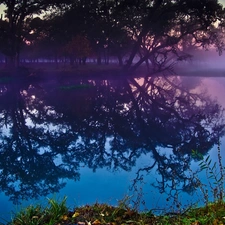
pixel 160 26
pixel 17 12
pixel 137 32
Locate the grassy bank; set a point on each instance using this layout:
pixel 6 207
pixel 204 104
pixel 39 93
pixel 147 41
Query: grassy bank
pixel 56 213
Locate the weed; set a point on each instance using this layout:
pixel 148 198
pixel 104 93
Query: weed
pixel 214 174
pixel 37 215
pixel 56 210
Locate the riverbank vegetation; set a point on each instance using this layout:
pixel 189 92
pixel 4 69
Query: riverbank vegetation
pixel 56 212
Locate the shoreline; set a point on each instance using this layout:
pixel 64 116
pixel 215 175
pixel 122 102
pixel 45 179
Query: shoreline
pixel 57 212
pixel 106 71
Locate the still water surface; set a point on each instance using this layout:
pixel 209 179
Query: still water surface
pixel 100 140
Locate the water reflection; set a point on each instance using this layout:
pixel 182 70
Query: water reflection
pixel 52 129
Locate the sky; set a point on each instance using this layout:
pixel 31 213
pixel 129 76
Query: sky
pixel 1 8
pixel 222 2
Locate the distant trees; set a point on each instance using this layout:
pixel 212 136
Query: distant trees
pixel 47 38
pixel 78 49
pixel 3 37
pixel 136 32
pixel 17 12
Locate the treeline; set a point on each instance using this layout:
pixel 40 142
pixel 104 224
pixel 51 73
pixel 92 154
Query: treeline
pixel 157 33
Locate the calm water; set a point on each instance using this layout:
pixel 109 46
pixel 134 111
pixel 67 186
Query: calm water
pixel 100 140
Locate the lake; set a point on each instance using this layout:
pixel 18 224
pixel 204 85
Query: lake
pixel 101 140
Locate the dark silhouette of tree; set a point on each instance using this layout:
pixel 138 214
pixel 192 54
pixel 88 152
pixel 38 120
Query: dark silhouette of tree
pixel 161 25
pixel 4 48
pixel 40 44
pixel 78 49
pixel 50 129
pixel 161 112
pixel 151 32
pixel 94 20
pixel 177 123
pixel 17 12
pixel 29 166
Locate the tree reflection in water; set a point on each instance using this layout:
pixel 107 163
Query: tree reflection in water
pixel 50 129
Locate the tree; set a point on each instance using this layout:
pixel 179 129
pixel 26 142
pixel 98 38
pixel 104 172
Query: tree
pixel 78 49
pixel 4 48
pixel 33 170
pixel 53 33
pixel 17 11
pixel 97 20
pixel 47 38
pixel 158 26
pixel 144 31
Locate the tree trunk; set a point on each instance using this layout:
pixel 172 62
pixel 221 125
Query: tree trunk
pixel 135 50
pixel 120 59
pixel 71 60
pixel 99 59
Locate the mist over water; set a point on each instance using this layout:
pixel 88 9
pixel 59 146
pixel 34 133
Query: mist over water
pixel 205 59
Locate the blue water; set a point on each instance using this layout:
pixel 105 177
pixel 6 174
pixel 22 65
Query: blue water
pixel 53 109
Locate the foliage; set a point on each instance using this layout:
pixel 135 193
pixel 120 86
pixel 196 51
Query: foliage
pixel 35 215
pixel 142 31
pixel 17 13
pixel 214 174
pixel 57 213
pixel 78 48
pixel 102 214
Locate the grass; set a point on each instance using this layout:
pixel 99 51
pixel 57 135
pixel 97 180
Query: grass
pixel 57 213
pixel 38 214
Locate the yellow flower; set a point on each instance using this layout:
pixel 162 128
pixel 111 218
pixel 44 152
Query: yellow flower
pixel 96 222
pixel 35 217
pixel 64 217
pixel 76 214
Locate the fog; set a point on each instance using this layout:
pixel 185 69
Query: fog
pixel 209 59
pixel 206 62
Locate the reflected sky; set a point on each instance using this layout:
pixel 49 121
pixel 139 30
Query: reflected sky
pixel 114 119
